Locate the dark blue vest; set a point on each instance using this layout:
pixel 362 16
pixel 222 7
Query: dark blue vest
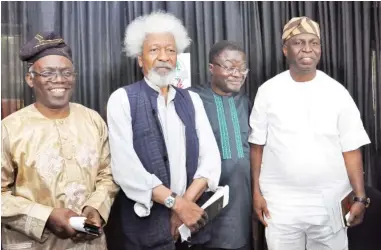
pixel 153 232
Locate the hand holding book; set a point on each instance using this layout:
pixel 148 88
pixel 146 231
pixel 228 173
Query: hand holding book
pixel 212 208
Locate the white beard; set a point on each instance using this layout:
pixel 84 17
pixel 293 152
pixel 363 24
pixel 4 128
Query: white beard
pixel 161 81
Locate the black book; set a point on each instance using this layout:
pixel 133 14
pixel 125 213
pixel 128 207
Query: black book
pixel 214 209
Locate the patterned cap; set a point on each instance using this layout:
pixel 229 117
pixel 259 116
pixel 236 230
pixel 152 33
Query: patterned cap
pixel 300 25
pixel 44 44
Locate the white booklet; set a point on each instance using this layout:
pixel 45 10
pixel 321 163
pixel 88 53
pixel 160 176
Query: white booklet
pixel 212 207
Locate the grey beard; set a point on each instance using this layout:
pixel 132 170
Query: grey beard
pixel 161 81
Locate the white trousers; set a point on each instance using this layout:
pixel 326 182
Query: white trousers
pixel 304 236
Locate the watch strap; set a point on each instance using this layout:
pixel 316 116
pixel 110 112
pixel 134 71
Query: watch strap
pixel 170 201
pixel 364 200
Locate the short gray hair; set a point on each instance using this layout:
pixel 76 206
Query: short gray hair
pixel 156 22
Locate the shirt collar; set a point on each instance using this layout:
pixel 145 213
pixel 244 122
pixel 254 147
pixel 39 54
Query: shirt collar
pixel 171 90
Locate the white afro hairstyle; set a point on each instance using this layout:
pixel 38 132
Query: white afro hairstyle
pixel 156 22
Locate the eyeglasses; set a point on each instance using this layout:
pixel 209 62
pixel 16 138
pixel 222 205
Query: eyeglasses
pixel 231 71
pixel 50 75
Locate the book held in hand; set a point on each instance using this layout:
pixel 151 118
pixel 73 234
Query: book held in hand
pixel 346 203
pixel 212 208
pixel 337 200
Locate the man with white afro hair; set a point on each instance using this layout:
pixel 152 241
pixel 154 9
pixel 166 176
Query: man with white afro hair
pixel 157 22
pixel 164 154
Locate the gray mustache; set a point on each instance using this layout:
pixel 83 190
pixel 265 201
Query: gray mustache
pixel 164 65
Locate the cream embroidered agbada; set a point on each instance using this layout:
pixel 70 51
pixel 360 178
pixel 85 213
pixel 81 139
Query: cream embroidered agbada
pixel 46 164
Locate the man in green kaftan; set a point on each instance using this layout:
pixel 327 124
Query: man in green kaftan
pixel 228 111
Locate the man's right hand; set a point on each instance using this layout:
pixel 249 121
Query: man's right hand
pixel 58 222
pixel 193 216
pixel 175 224
pixel 260 208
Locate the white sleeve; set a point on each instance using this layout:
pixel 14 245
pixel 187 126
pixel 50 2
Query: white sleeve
pixel 258 120
pixel 209 160
pixel 350 127
pixel 128 172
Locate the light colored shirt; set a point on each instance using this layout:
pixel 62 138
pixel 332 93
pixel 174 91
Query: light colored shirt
pixel 305 127
pixel 128 170
pixel 47 164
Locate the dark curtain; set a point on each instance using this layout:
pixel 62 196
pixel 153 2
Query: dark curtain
pixel 13 33
pixel 351 45
pixel 375 121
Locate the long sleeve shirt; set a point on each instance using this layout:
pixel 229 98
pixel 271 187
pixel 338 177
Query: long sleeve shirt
pixel 47 164
pixel 128 170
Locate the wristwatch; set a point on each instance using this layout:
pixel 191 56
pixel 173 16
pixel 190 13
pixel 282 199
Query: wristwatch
pixel 365 201
pixel 169 202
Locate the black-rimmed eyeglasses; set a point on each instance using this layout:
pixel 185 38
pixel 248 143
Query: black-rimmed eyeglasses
pixel 231 71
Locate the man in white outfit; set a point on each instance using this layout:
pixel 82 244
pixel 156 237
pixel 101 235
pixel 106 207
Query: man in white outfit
pixel 305 150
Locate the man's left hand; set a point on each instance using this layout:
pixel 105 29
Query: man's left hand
pixel 356 214
pixel 93 215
